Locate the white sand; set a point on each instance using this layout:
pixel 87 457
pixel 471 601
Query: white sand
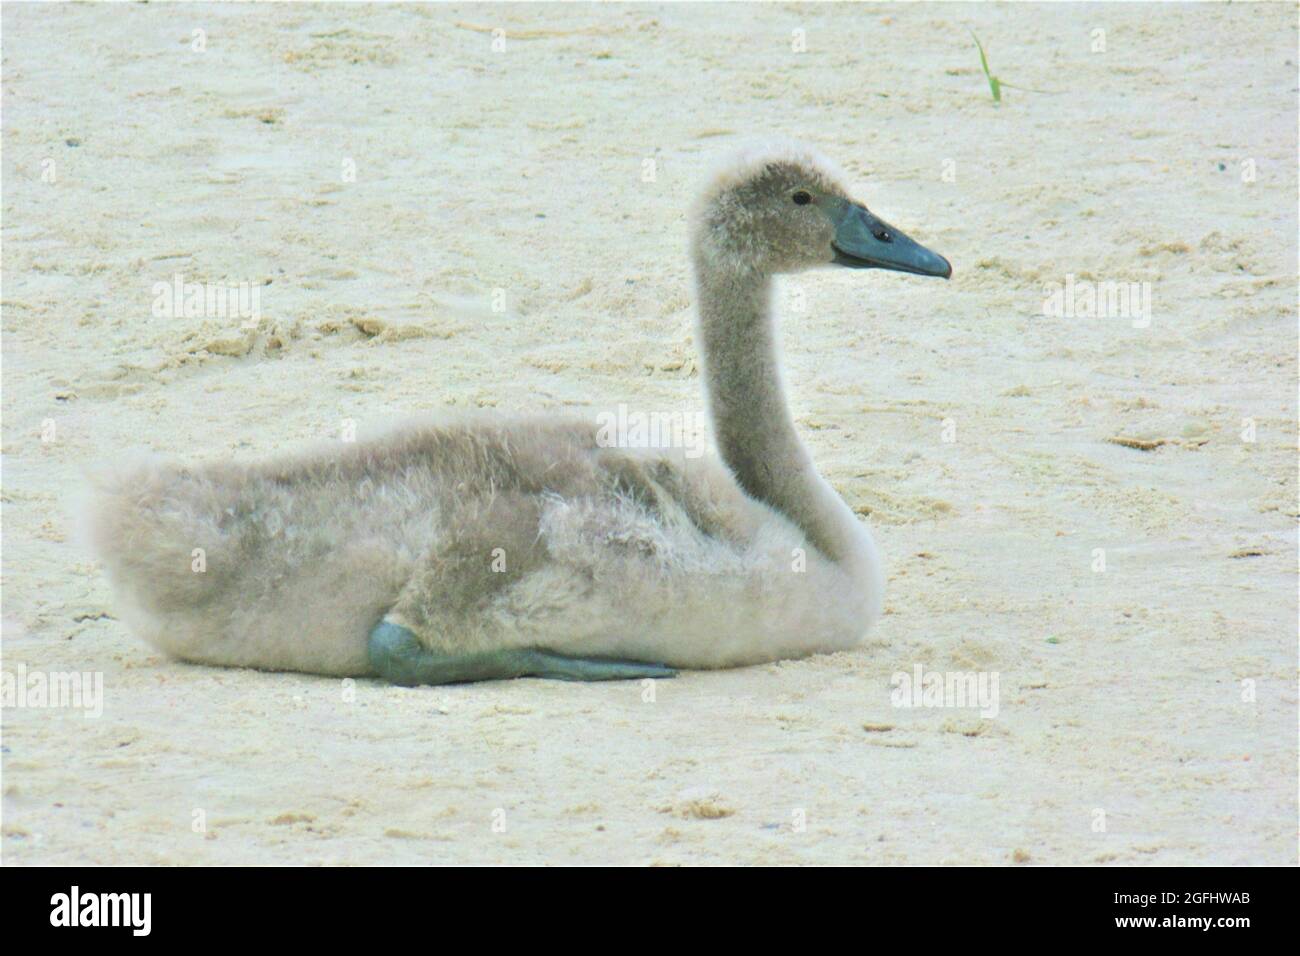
pixel 522 170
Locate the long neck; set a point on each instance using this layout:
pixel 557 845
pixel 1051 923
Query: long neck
pixel 751 422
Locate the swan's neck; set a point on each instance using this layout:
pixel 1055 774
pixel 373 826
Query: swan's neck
pixel 751 422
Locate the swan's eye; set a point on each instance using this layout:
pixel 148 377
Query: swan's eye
pixel 801 198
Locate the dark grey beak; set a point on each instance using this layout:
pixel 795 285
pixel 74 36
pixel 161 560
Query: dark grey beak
pixel 863 241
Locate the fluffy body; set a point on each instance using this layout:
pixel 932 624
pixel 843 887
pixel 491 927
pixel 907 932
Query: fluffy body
pixel 476 536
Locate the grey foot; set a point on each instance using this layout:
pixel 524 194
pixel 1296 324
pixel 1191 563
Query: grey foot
pixel 558 667
pixel 397 656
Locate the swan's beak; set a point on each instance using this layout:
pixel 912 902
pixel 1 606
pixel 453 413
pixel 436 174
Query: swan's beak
pixel 863 241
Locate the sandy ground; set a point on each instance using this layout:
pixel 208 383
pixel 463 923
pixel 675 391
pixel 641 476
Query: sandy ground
pixel 1147 713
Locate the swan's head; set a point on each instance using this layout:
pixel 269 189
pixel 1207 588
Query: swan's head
pixel 787 209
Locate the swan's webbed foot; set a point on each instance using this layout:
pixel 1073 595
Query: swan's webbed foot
pixel 397 656
pixel 559 667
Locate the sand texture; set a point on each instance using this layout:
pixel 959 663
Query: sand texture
pixel 514 238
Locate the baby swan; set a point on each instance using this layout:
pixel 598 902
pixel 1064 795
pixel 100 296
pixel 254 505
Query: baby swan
pixel 481 549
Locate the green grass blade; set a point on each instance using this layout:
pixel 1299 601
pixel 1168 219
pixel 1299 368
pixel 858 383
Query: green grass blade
pixel 994 86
